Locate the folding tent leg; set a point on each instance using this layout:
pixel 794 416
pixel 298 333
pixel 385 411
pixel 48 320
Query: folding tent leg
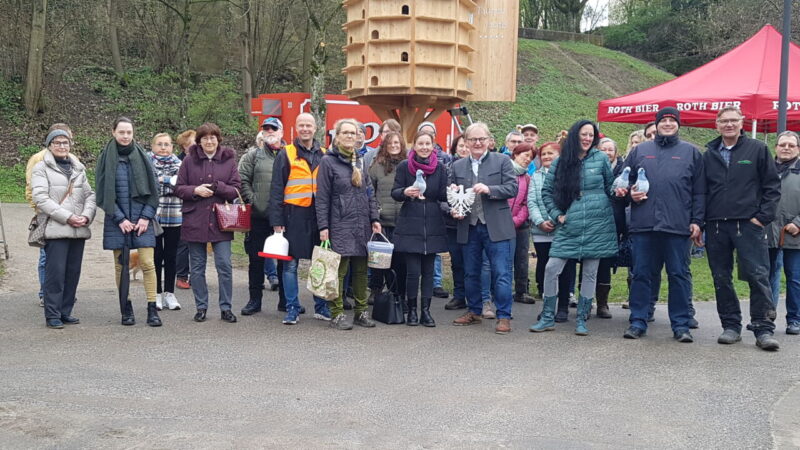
pixel 755 128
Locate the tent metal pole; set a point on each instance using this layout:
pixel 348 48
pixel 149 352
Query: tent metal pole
pixel 784 80
pixel 755 129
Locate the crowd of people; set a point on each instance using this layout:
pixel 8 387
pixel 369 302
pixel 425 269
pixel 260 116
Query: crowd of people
pixel 588 206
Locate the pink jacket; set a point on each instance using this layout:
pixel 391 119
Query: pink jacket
pixel 519 203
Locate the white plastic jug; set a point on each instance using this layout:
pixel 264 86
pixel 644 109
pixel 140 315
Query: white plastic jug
pixel 276 246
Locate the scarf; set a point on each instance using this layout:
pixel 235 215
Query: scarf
pixel 415 163
pixel 65 164
pixel 784 167
pixel 143 186
pixel 347 153
pixel 518 170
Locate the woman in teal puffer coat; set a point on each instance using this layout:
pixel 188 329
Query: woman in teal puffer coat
pixel 577 192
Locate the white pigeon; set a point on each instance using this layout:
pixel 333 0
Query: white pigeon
pixel 460 201
pixel 642 184
pixel 623 180
pixel 420 184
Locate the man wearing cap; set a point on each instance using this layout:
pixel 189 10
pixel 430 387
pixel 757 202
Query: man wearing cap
pixel 743 195
pixel 663 221
pixel 292 210
pixel 530 133
pixel 255 169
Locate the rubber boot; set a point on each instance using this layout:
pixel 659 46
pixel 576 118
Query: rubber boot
pixel 547 320
pixel 425 318
pixel 602 292
pixel 411 319
pixel 127 314
pixel 584 309
pixel 152 315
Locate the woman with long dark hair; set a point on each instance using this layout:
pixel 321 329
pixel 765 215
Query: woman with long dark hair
pixel 577 193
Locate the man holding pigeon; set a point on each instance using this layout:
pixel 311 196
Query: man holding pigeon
pixel 664 217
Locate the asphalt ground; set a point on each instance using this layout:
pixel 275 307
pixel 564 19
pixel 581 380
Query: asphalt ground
pixel 261 384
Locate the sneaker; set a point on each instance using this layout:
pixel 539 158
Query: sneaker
pixel 253 306
pixel 362 319
pixel 503 326
pixel 468 319
pixel 274 284
pixel 684 337
pixel 69 320
pixel 283 309
pixel 729 337
pixel 340 323
pixel 171 301
pixel 438 291
pixel 54 323
pixel 572 302
pixel 159 302
pixel 634 333
pixel 228 316
pixel 488 311
pixel 766 341
pixel 323 314
pixel 456 303
pixel 291 318
pixel 41 302
pixel 793 328
pixel 183 283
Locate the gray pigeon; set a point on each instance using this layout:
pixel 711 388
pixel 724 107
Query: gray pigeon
pixel 420 184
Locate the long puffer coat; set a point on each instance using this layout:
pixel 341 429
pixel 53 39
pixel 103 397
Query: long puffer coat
pixel 128 208
pixel 347 211
pixel 589 231
pixel 49 185
pixel 421 227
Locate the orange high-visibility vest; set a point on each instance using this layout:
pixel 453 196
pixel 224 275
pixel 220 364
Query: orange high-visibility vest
pixel 302 183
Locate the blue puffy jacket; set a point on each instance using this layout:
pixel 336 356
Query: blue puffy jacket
pixel 127 208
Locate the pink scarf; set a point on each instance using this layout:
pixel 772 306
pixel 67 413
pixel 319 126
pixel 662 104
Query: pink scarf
pixel 427 169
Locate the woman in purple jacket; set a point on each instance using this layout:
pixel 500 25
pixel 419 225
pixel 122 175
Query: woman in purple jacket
pixel 208 175
pixel 521 157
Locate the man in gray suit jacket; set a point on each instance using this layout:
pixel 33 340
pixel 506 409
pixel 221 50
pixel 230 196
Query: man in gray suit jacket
pixel 488 227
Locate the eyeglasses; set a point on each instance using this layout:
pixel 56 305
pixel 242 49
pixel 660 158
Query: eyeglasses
pixel 208 138
pixel 728 121
pixel 270 128
pixel 60 143
pixel 347 133
pixel 479 140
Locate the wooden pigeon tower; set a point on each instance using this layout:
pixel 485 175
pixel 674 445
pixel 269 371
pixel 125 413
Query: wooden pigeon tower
pixel 406 57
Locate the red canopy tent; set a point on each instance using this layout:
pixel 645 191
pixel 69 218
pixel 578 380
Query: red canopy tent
pixel 747 76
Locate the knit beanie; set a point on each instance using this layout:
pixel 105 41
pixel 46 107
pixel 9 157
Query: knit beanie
pixel 668 112
pixel 54 134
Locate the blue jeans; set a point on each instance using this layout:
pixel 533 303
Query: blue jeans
pixel 291 289
pixel 437 271
pixel 651 252
pixel 501 260
pixel 269 268
pixel 791 268
pixel 222 261
pixel 775 269
pixel 486 278
pixel 42 262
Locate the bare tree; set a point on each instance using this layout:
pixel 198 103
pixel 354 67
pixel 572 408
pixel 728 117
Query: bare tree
pixel 33 80
pixel 114 41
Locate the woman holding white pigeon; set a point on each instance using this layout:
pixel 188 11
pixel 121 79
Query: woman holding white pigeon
pixel 420 183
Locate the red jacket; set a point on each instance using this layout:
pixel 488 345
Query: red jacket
pixel 519 203
pixel 199 218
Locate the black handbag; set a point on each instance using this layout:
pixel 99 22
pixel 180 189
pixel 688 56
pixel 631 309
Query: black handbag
pixel 388 307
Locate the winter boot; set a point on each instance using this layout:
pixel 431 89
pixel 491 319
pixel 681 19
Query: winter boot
pixel 152 315
pixel 584 309
pixel 602 301
pixel 547 320
pixel 425 318
pixel 411 319
pixel 127 314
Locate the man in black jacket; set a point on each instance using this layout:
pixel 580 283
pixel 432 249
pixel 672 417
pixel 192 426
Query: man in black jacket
pixel 743 193
pixel 663 220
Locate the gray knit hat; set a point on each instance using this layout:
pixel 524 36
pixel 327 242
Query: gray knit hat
pixel 54 134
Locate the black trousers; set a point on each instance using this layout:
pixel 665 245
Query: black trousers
pixel 419 265
pixel 522 246
pixel 62 273
pixel 565 280
pixel 166 257
pixel 260 230
pixel 395 278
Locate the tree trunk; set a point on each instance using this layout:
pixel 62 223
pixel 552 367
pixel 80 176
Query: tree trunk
pixel 247 77
pixel 308 54
pixel 183 106
pixel 33 80
pixel 114 41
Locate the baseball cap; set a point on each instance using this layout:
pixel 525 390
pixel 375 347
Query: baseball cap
pixel 273 122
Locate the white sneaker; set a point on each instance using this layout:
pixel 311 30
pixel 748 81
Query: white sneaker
pixel 159 303
pixel 172 302
pixel 488 311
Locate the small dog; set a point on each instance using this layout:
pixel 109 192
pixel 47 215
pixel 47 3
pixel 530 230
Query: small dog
pixel 133 265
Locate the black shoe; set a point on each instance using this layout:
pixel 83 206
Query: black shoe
pixel 228 316
pixel 54 323
pixel 456 303
pixel 561 316
pixel 693 324
pixel 200 316
pixel 362 319
pixel 729 336
pixel 347 305
pixel 252 307
pixel 438 291
pixel 411 318
pixel 572 302
pixel 685 337
pixel 152 315
pixel 766 341
pixel 274 284
pixel 523 297
pixel 283 309
pixel 634 333
pixel 425 318
pixel 127 315
pixel 69 320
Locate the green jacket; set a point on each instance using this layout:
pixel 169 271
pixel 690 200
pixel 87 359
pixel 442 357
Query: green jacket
pixel 382 183
pixel 255 169
pixel 589 231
